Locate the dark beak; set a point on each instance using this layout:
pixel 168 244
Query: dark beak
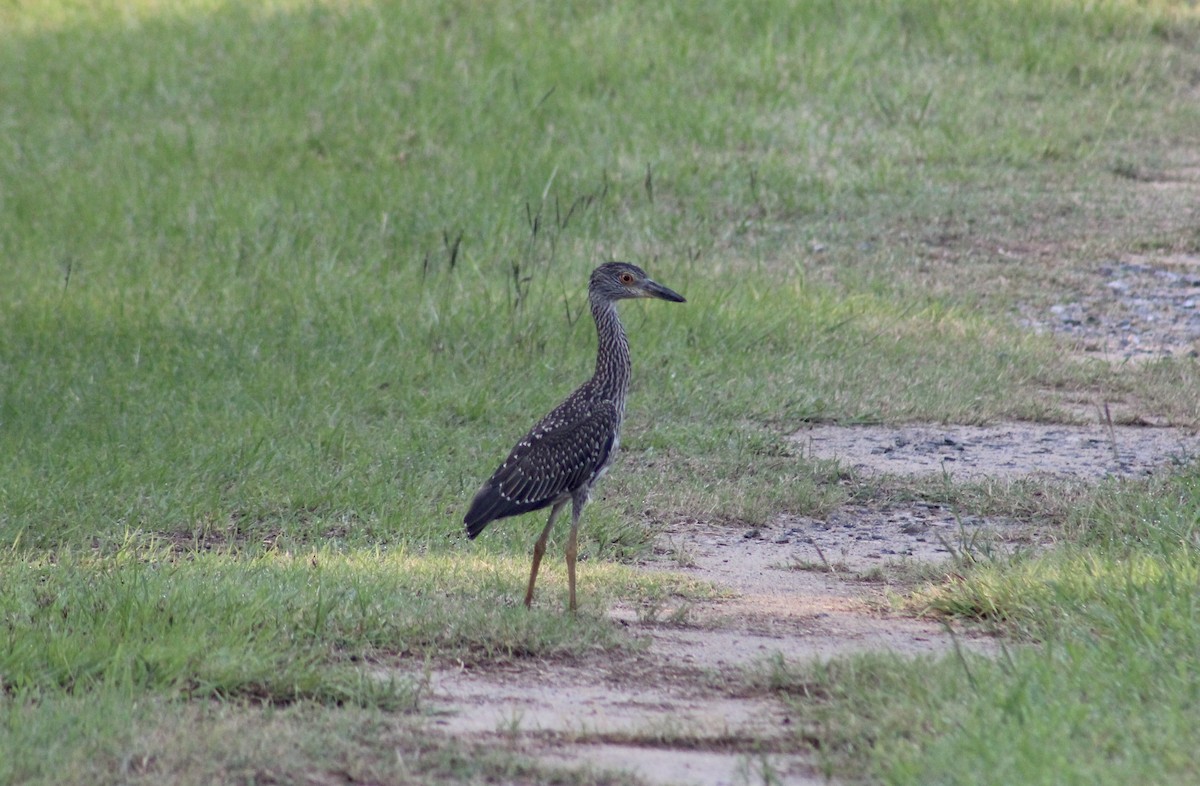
pixel 654 289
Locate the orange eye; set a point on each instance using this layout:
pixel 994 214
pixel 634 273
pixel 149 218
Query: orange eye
pixel 626 278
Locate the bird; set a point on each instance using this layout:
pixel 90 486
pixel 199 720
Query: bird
pixel 568 450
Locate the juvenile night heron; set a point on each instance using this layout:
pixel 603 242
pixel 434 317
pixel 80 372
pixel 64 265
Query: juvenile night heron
pixel 563 456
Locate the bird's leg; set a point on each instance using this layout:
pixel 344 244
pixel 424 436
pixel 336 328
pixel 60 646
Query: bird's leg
pixel 539 549
pixel 573 550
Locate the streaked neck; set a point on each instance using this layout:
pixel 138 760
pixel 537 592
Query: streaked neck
pixel 612 350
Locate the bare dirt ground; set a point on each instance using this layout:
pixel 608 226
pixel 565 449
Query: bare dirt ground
pixel 670 713
pixel 1005 451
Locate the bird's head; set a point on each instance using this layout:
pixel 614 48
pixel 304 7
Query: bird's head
pixel 619 280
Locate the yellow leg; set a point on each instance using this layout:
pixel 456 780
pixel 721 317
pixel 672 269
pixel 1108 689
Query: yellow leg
pixel 572 551
pixel 539 549
pixel 573 548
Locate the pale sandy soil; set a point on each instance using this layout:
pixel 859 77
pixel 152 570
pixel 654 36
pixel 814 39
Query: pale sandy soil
pixel 666 713
pixel 1005 451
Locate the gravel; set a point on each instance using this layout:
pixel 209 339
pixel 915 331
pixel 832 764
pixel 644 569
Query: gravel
pixel 1136 310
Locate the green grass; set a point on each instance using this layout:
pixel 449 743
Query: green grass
pixel 273 430
pixel 240 307
pixel 283 282
pixel 280 625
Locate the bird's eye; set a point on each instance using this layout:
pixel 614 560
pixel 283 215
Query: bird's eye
pixel 626 278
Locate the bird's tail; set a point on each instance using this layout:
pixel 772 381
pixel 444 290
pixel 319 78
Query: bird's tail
pixel 474 527
pixel 482 512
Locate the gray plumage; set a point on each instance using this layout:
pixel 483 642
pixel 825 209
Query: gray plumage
pixel 567 451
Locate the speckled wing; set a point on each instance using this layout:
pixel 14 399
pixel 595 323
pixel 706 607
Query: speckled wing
pixel 561 454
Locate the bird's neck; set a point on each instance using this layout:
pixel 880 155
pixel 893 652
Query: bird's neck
pixel 612 351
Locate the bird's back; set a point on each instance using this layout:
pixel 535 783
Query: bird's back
pixel 565 452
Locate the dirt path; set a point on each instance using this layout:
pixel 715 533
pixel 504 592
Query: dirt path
pixel 665 713
pixel 673 714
